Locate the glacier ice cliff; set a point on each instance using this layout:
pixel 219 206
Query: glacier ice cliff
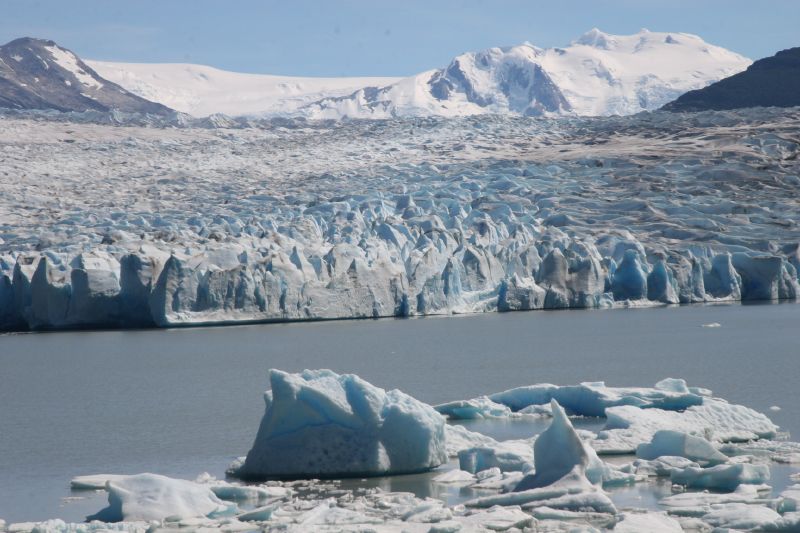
pixel 120 221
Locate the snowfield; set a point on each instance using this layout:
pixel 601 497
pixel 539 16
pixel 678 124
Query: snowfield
pixel 201 91
pixel 597 74
pixel 116 221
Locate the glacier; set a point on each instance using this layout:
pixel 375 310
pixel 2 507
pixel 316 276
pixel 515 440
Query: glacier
pixel 119 220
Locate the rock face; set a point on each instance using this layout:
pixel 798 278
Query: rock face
pixel 321 424
pixel 39 74
pixel 769 82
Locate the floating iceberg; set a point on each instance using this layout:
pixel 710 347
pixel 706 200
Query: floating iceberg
pixel 321 424
pixel 481 407
pixel 677 444
pixel 154 497
pixel 592 399
pixel 721 477
pixel 561 479
pixel 628 427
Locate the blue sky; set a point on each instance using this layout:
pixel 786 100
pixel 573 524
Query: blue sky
pixel 359 37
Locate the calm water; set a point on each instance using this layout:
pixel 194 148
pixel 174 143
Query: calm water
pixel 181 402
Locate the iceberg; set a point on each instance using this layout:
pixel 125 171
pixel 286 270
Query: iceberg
pixel 155 497
pixel 556 452
pixel 592 399
pixel 322 424
pixel 721 477
pixel 481 407
pixel 716 420
pixel 561 477
pixel 678 444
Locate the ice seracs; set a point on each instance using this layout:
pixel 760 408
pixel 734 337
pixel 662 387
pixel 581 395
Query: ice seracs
pixel 321 424
pixel 304 229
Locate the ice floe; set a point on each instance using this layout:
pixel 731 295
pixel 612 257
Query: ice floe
pixel 715 455
pixel 154 497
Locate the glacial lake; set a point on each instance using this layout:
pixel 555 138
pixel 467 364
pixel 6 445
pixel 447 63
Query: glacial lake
pixel 185 401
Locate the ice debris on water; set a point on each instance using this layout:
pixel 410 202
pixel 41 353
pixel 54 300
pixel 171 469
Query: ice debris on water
pixel 714 453
pixel 154 497
pixel 294 220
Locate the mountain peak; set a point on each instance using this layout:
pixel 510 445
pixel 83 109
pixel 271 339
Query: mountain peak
pixel 596 38
pixel 40 74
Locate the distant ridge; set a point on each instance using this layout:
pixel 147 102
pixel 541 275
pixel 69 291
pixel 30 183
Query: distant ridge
pixel 597 74
pixel 769 82
pixel 39 74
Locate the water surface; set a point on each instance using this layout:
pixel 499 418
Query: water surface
pixel 185 401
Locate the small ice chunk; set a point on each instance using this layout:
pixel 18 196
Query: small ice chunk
pixel 94 482
pixel 789 501
pixel 481 407
pixel 455 476
pixel 155 497
pixel 741 516
pixel 498 519
pixel 679 444
pixel 650 522
pixel 721 477
pixel 774 408
pixel 712 325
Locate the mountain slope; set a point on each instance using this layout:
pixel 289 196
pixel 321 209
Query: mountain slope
pixel 200 90
pixel 39 74
pixel 772 81
pixel 598 74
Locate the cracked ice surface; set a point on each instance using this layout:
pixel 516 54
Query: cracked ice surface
pixel 231 220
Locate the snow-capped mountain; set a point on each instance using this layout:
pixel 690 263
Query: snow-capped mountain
pixel 598 74
pixel 39 74
pixel 200 90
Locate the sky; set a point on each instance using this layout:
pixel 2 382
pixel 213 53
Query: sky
pixel 378 37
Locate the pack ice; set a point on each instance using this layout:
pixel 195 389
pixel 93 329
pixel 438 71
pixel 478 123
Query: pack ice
pixel 118 221
pixel 318 423
pixel 321 424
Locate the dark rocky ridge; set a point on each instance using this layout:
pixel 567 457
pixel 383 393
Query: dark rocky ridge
pixel 769 82
pixel 39 74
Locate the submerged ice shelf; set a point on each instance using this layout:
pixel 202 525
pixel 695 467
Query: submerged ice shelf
pixel 221 221
pixel 558 480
